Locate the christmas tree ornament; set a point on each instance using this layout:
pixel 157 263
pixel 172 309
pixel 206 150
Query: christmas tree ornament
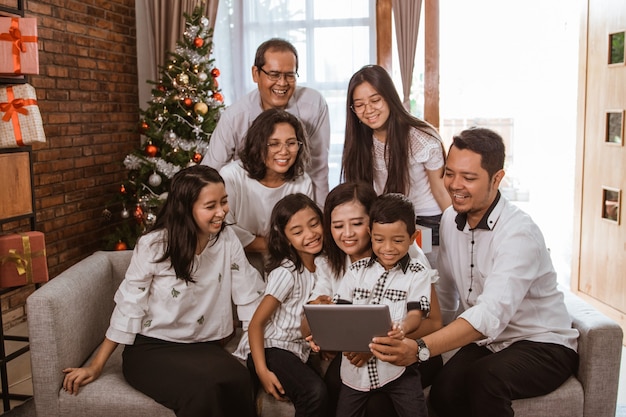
pixel 190 164
pixel 183 79
pixel 145 126
pixel 150 219
pixel 122 189
pixel 201 108
pixel 198 42
pixel 151 150
pixel 204 21
pixel 218 97
pixel 197 157
pixel 125 214
pixel 215 72
pixel 106 214
pixel 202 76
pixel 155 179
pixel 188 102
pixel 120 245
pixel 138 214
pixel 171 135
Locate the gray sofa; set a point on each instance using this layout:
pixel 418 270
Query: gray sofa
pixel 68 316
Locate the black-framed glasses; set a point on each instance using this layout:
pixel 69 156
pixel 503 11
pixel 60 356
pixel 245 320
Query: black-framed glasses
pixel 375 103
pixel 276 75
pixel 291 145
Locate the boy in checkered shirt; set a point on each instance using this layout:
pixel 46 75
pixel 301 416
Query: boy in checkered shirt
pixel 393 278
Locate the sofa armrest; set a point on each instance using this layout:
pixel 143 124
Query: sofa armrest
pixel 67 320
pixel 600 351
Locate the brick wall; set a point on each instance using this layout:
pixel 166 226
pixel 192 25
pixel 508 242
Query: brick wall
pixel 87 94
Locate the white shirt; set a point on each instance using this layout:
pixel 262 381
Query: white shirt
pixel 153 302
pixel 251 202
pixel 327 283
pixel 292 289
pixel 306 104
pixel 514 293
pixel 426 153
pixel 407 285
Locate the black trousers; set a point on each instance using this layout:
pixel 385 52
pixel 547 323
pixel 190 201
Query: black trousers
pixel 477 382
pixel 193 379
pixel 379 404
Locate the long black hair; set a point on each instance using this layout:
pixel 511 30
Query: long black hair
pixel 278 246
pixel 176 218
pixel 357 159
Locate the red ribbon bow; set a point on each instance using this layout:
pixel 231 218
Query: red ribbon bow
pixel 11 108
pixel 15 37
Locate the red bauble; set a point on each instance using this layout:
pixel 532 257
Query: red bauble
pixel 218 97
pixel 151 150
pixel 161 88
pixel 197 157
pixel 198 42
pixel 122 189
pixel 188 102
pixel 215 72
pixel 121 246
pixel 138 214
pixel 144 126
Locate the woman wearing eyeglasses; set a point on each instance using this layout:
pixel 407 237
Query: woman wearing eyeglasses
pixel 393 150
pixel 271 165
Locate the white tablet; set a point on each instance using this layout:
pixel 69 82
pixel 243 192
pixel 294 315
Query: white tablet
pixel 347 327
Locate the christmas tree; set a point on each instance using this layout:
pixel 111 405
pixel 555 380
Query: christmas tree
pixel 184 109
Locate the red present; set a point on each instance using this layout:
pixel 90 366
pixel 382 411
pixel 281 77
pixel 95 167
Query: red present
pixel 22 259
pixel 19 53
pixel 20 119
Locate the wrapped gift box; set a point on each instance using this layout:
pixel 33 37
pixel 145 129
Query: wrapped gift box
pixel 22 259
pixel 19 52
pixel 20 119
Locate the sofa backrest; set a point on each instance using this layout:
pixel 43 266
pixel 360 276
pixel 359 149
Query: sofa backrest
pixel 67 320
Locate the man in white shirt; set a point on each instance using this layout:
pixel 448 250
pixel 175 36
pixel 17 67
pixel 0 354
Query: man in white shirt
pixel 275 72
pixel 495 271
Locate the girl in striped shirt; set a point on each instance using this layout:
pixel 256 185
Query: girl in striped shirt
pixel 279 354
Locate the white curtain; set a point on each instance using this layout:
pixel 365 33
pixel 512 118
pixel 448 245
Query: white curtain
pixel 406 18
pixel 165 23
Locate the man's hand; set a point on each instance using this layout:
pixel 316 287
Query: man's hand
pixel 398 352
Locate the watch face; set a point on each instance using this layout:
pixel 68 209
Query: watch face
pixel 424 354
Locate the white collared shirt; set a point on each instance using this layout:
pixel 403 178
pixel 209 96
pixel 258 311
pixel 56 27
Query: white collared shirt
pixel 514 294
pixel 408 282
pixel 306 104
pixel 153 302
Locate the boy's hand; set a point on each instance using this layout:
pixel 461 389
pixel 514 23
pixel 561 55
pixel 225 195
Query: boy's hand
pixel 358 359
pixel 272 385
pixel 396 332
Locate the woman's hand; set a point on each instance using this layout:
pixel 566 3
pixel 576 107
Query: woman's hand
pixel 78 377
pixel 358 359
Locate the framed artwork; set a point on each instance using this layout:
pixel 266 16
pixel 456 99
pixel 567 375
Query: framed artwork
pixel 611 201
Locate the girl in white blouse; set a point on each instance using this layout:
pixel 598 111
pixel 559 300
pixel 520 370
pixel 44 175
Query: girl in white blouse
pixel 396 152
pixel 279 353
pixel 174 308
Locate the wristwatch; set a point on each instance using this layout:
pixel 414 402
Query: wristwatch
pixel 423 353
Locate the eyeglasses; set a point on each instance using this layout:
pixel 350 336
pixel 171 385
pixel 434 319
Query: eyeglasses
pixel 275 75
pixel 376 103
pixel 291 145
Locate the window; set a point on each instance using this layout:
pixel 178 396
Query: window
pixel 321 30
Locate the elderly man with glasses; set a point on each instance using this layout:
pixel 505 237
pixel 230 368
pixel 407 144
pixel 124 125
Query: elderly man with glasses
pixel 275 71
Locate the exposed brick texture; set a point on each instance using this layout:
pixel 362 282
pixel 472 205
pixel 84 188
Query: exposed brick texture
pixel 87 94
